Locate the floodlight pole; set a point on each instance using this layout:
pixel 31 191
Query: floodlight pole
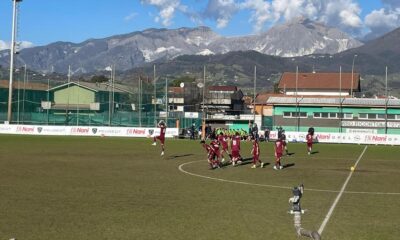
pixel 77 106
pixel 140 101
pixel 386 100
pixel 254 94
pixel 23 95
pixel 155 95
pixel 352 75
pixel 113 91
pixel 12 52
pixel 18 100
pixel 340 100
pixel 203 124
pixel 297 104
pixel 48 98
pixel 67 109
pixel 109 97
pixel 166 100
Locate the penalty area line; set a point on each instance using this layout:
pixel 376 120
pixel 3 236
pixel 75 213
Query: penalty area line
pixel 330 212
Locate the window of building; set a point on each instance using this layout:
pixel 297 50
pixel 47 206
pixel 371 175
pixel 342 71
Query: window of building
pixel 362 116
pixel 333 115
pixel 375 116
pixel 381 116
pixel 294 114
pixel 348 116
pixel 393 116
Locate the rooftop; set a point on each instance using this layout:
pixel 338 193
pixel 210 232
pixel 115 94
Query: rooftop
pixel 361 102
pixel 326 81
pixel 28 85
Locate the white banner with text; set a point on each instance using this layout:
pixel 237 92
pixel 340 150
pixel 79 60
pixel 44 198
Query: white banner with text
pixel 85 131
pixel 355 138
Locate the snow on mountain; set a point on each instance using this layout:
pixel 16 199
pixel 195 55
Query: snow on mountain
pixel 302 36
pixel 205 52
pixel 295 38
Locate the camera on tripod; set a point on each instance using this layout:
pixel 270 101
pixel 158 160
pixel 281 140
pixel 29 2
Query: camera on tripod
pixel 295 200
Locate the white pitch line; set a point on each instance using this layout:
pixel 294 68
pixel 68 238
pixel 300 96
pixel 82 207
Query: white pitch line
pixel 328 216
pixel 224 180
pixel 180 167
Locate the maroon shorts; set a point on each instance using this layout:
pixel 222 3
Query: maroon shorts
pixel 256 157
pixel 162 139
pixel 309 145
pixel 278 155
pixel 235 154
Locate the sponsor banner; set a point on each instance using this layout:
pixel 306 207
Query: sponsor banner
pixel 85 131
pixel 356 138
pixel 6 128
pixel 51 130
pixel 151 132
pixel 79 131
pixel 191 115
pixel 361 130
pixel 371 124
pixel 25 129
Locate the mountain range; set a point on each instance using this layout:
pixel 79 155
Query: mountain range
pixel 227 60
pixel 237 67
pixel 298 37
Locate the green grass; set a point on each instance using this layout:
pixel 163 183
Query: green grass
pixel 120 188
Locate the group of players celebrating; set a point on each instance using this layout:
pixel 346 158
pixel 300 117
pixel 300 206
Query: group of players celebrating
pixel 219 147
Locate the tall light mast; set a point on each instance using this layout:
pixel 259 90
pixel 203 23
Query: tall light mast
pixel 12 52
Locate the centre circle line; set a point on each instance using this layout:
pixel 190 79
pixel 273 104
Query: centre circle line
pixel 180 168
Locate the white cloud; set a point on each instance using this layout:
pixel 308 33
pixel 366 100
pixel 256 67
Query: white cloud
pixel 21 45
pixel 261 13
pixel 25 44
pixel 167 9
pixel 392 3
pixel 344 14
pixel 382 21
pixel 221 11
pixel 130 16
pixel 4 45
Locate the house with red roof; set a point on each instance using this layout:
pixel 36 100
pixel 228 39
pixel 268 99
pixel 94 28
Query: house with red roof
pixel 320 84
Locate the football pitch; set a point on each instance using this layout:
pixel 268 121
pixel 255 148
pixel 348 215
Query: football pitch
pixel 121 188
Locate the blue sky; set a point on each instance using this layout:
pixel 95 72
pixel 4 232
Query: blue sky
pixel 46 21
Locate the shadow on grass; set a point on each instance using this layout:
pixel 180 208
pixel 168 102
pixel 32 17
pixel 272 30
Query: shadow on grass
pixel 314 152
pixel 245 161
pixel 179 156
pixel 266 164
pixel 288 165
pixel 290 154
